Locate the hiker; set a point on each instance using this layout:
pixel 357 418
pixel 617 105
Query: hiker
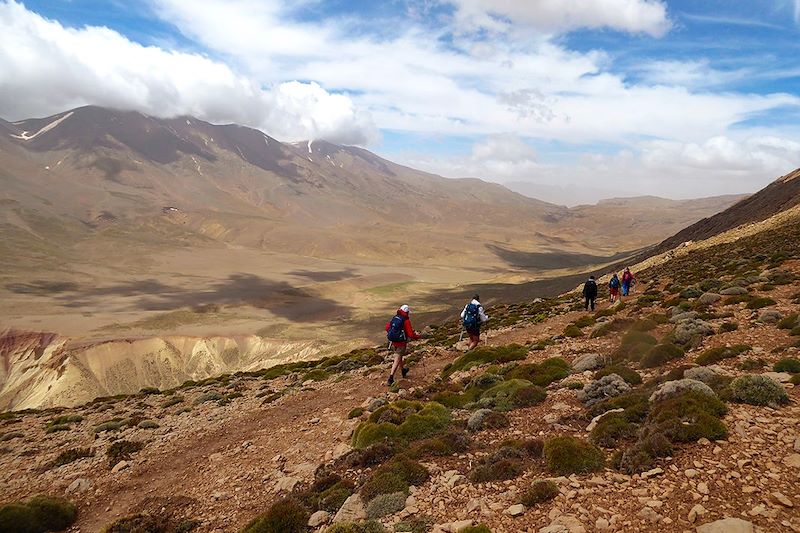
pixel 613 287
pixel 590 292
pixel 472 317
pixel 627 281
pixel 399 332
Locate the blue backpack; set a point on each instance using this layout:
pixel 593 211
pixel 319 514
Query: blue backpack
pixel 472 316
pixel 614 283
pixel 397 329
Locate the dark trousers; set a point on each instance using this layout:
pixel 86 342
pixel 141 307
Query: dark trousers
pixel 590 302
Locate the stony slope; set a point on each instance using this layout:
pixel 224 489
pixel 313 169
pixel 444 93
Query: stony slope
pixel 224 450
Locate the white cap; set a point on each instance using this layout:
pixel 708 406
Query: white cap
pixel 404 308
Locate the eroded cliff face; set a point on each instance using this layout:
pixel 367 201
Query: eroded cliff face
pixel 46 370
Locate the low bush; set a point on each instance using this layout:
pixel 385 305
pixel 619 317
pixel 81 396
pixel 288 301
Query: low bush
pixel 585 321
pixel 71 455
pixel 512 394
pixel 416 421
pixel 758 303
pixel 111 425
pixel 787 364
pixel 611 429
pixel 37 515
pixel 758 390
pixel 752 363
pixel 355 413
pixel 540 491
pixel 644 324
pixel 318 374
pixel 726 327
pixel 687 417
pixel 447 444
pixel 395 476
pixel 122 450
pixel 487 419
pixel 541 374
pixel 173 400
pixel 574 385
pixel 141 523
pixel 418 524
pixel 485 355
pixel 661 354
pixel 719 353
pixel 211 396
pixel 284 516
pixel 572 331
pixel 795 379
pixel 531 448
pixel 370 526
pixel 505 463
pixel 789 321
pixel 628 374
pixel 568 455
pixel 386 504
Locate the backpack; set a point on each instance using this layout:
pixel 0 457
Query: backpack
pixel 472 316
pixel 614 283
pixel 397 330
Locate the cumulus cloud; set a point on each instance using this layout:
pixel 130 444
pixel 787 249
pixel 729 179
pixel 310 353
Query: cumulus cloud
pixel 559 16
pixel 47 68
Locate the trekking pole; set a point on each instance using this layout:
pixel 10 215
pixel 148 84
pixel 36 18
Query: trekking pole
pixel 461 336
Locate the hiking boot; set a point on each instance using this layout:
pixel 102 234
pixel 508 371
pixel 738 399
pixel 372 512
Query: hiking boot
pixel 390 381
pixel 404 372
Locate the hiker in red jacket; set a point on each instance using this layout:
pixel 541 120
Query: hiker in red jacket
pixel 627 281
pixel 399 332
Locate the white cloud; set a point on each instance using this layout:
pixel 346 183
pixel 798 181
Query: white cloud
pixel 47 68
pixel 560 16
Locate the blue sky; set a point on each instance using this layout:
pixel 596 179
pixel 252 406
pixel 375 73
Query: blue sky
pixel 675 98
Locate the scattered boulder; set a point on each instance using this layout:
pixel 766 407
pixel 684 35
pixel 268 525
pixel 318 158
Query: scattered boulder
pixel 673 388
pixel 709 298
pixel 605 387
pixel 78 486
pixel 515 510
pixel 701 373
pixel 319 518
pixel 727 525
pixel 770 316
pixel 589 361
pixel 682 315
pixel 352 510
pixel 486 418
pixel 376 404
pixel 688 332
pixel 733 291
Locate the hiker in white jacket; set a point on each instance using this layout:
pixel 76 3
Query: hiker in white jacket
pixel 472 317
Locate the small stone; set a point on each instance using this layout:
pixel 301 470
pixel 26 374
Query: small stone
pixel 122 465
pixel 352 510
pixel 215 457
pixel 696 512
pixel 515 510
pixel 690 473
pixel 654 472
pixel 781 499
pixel 319 518
pixel 702 488
pixel 602 524
pixel 792 460
pixel 78 486
pixel 727 525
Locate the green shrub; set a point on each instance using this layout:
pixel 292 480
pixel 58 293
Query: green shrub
pixel 37 515
pixel 629 375
pixel 611 429
pixel 141 523
pixel 726 327
pixel 541 374
pixel 789 321
pixel 65 419
pixel 574 385
pixel 416 421
pixel 447 444
pixel 532 448
pixel 645 324
pixel 540 491
pixel 485 355
pixel 585 321
pixel 568 455
pixel 174 400
pixel 284 516
pixel 758 303
pixel 752 363
pixel 386 504
pixel 480 528
pixel 211 396
pixel 787 364
pixel 146 391
pixel 111 425
pixel 688 417
pixel 122 450
pixel 370 526
pixel 318 374
pixel 660 354
pixel 497 467
pixel 795 379
pixel 395 476
pixel 148 424
pixel 719 353
pixel 355 413
pixel 758 390
pixel 57 427
pixel 572 331
pixel 512 394
pixel 71 455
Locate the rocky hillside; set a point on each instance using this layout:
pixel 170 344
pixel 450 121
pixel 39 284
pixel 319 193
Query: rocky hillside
pixel 675 410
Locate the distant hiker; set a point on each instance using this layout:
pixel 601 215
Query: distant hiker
pixel 399 332
pixel 613 287
pixel 627 281
pixel 590 292
pixel 472 317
